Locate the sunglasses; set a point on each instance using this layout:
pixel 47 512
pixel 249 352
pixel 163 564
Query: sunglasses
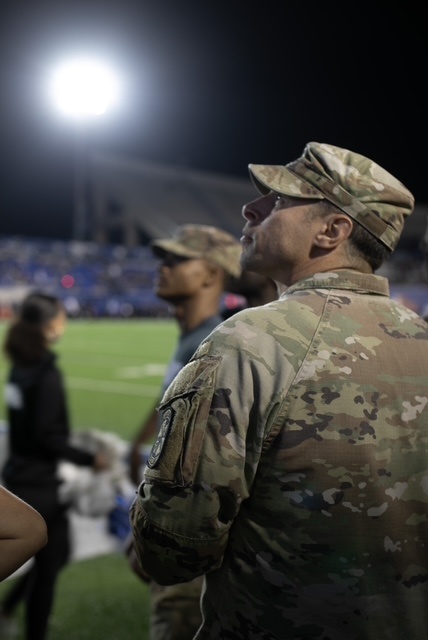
pixel 173 260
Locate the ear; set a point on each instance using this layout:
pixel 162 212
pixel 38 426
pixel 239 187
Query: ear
pixel 334 229
pixel 213 274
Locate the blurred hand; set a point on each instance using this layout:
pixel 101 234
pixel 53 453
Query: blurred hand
pixel 101 462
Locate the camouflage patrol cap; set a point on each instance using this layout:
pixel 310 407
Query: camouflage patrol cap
pixel 204 242
pixel 357 185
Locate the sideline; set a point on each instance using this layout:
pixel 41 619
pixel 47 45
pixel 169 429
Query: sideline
pixel 108 386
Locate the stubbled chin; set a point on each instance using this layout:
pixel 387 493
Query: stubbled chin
pixel 247 257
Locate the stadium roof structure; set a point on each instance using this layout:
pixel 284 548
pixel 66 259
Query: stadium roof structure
pixel 145 200
pixel 135 201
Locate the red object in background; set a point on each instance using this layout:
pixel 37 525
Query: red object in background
pixel 234 301
pixel 67 281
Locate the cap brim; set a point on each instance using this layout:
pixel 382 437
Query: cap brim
pixel 278 178
pixel 160 247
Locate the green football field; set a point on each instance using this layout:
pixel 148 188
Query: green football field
pixel 113 371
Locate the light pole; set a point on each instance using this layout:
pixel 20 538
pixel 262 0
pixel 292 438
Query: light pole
pixel 80 185
pixel 83 88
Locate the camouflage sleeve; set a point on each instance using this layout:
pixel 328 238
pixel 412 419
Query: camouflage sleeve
pixel 203 463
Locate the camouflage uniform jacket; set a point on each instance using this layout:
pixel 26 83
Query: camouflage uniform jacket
pixel 291 468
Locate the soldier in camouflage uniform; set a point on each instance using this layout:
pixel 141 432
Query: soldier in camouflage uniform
pixel 291 467
pixel 194 268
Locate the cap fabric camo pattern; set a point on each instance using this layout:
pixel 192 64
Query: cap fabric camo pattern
pixel 357 185
pixel 205 242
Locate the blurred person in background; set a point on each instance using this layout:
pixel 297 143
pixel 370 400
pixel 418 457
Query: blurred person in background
pixel 38 433
pixel 23 532
pixel 292 465
pixel 194 269
pixel 255 288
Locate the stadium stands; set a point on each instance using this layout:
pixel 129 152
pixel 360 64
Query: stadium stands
pixel 117 281
pixel 92 280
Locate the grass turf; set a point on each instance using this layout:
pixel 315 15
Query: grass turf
pixel 96 599
pixel 113 371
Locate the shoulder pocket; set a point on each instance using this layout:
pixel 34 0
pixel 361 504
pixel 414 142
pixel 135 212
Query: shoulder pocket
pixel 184 412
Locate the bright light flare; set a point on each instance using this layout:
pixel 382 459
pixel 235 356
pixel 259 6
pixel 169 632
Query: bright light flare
pixel 84 87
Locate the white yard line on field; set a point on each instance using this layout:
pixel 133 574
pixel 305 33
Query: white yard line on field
pixel 107 386
pixel 141 371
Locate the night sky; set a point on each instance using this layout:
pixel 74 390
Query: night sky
pixel 212 85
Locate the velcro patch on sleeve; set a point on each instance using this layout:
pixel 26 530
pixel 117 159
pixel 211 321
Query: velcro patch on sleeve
pixel 167 421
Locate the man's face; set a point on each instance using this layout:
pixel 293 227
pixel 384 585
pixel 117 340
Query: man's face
pixel 277 237
pixel 180 278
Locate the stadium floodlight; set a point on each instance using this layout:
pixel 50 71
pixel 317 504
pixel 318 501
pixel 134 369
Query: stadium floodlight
pixel 84 87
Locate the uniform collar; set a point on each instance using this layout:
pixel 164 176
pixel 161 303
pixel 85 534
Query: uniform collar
pixel 344 279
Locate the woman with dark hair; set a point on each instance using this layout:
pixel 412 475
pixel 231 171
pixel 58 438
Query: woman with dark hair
pixel 39 433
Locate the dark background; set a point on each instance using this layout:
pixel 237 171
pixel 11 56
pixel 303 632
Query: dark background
pixel 212 85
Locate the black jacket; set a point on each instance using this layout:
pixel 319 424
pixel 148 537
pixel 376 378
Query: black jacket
pixel 39 428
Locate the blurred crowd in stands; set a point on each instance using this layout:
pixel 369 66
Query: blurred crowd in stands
pixel 92 281
pixel 117 282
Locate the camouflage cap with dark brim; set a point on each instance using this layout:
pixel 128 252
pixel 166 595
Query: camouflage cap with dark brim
pixel 357 185
pixel 203 242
